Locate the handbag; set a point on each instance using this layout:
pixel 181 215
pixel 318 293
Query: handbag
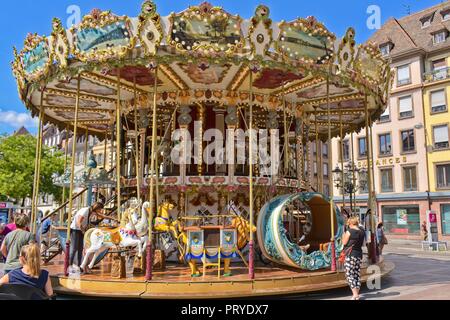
pixel 345 253
pixel 384 240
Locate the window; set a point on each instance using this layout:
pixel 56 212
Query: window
pixel 325 150
pixel 410 178
pixel 426 22
pixel 385 144
pixel 314 148
pixel 443 176
pixel 439 69
pixel 326 190
pixel 315 169
pixel 405 107
pixel 325 170
pixel 387 184
pixel 445 14
pixel 403 75
pixel 362 149
pixel 346 147
pixel 401 220
pixel 385 50
pixel 440 37
pixel 440 134
pixel 408 141
pixel 386 116
pixel 445 218
pixel 438 101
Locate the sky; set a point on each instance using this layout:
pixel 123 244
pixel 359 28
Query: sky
pixel 24 16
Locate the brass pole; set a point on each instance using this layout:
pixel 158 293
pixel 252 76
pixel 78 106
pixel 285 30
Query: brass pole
pixel 72 176
pixel 66 156
pixel 86 150
pixel 317 150
pixel 353 170
pixel 369 180
pixel 149 271
pixel 332 212
pixel 251 244
pixel 105 150
pixel 118 147
pixel 372 166
pixel 286 136
pixel 136 153
pixel 35 199
pixel 342 157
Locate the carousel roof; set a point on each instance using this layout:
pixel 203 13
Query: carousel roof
pixel 203 54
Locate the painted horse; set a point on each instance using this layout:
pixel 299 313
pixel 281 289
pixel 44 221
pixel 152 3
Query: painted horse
pixel 99 240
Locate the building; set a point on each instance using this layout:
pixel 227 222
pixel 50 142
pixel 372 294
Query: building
pixel 411 139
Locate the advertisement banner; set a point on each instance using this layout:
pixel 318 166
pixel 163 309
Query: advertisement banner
pixel 402 217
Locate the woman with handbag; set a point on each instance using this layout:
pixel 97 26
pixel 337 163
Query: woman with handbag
pixel 352 255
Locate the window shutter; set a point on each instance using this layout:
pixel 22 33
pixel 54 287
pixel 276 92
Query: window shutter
pixel 438 98
pixel 403 73
pixel 405 104
pixel 440 134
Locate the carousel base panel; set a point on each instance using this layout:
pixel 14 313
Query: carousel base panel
pixel 175 282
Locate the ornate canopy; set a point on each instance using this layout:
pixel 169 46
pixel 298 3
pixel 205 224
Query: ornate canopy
pixel 204 55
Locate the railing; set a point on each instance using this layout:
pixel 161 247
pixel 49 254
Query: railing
pixel 437 75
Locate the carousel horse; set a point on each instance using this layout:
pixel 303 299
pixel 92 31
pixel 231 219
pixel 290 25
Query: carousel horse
pixel 98 240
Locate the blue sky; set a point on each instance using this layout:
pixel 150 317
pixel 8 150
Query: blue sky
pixel 21 17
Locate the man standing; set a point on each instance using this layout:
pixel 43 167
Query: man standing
pixel 78 227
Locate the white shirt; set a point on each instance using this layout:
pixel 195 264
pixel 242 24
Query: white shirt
pixel 84 212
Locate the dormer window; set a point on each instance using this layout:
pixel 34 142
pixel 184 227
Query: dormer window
pixel 440 37
pixel 426 21
pixel 385 49
pixel 445 14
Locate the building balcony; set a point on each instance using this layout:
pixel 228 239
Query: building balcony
pixel 437 75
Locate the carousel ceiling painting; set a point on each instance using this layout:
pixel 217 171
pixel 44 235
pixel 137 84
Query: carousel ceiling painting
pixel 203 55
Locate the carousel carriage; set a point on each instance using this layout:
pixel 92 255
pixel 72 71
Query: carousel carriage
pixel 185 101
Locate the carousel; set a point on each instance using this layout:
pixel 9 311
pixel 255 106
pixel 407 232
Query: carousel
pixel 208 120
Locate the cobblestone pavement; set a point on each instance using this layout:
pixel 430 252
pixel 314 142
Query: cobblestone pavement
pixel 418 275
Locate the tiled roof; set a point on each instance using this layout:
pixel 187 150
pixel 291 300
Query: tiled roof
pixel 407 33
pixel 22 132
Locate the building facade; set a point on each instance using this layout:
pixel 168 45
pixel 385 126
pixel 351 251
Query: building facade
pixel 411 139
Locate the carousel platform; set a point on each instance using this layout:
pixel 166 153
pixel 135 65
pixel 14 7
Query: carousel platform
pixel 175 282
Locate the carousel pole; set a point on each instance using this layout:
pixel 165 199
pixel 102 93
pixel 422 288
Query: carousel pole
pixel 66 156
pixel 341 143
pixel 136 141
pixel 118 147
pixel 353 172
pixel 149 269
pixel 72 176
pixel 369 180
pixel 105 150
pixel 251 262
pixel 86 150
pixel 35 199
pixel 286 136
pixel 332 212
pixel 316 129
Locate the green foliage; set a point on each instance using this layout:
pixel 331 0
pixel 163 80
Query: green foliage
pixel 17 161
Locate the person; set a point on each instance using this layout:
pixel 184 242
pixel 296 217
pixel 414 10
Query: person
pixel 30 272
pixel 424 231
pixel 381 238
pixel 353 241
pixel 45 234
pixel 14 241
pixel 79 226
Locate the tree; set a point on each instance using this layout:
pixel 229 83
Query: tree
pixel 17 161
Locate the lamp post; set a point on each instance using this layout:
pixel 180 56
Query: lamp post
pixel 346 182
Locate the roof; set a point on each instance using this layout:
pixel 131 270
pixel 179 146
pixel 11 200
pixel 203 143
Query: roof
pixel 408 34
pixel 21 132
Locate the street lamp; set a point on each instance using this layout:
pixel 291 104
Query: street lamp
pixel 350 181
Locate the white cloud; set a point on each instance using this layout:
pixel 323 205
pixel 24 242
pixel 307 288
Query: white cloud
pixel 16 120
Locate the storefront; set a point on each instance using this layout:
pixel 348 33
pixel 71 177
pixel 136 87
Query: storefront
pixel 445 219
pixel 403 220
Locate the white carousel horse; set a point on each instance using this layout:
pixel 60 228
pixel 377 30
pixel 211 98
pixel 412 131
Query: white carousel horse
pixel 98 240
